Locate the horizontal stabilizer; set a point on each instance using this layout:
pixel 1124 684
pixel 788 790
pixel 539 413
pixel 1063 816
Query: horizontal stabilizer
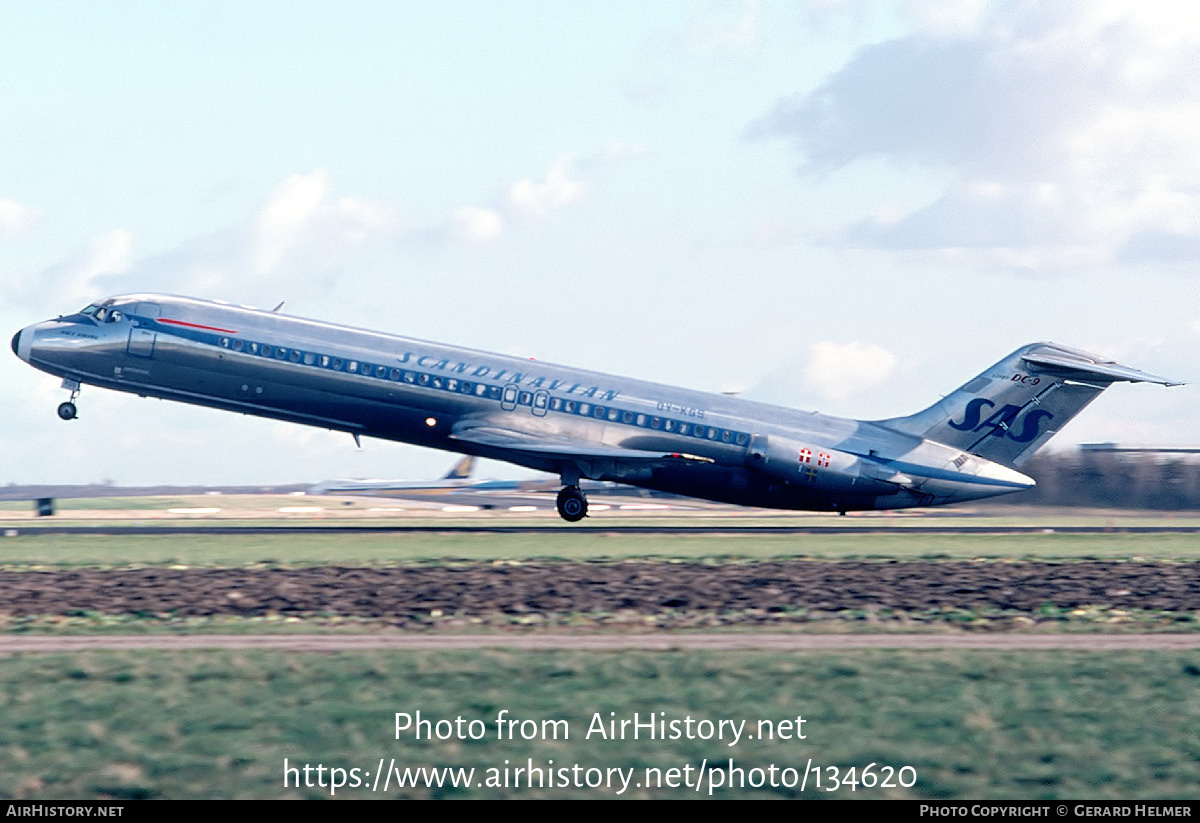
pixel 1072 362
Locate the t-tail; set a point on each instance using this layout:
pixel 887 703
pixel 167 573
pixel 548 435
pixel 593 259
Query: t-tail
pixel 1010 410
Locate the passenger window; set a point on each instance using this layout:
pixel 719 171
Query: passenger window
pixel 294 356
pixel 309 358
pixel 265 350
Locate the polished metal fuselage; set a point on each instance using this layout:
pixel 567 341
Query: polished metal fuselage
pixel 413 391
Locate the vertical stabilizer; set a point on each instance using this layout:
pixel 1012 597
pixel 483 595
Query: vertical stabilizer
pixel 1010 410
pixel 462 469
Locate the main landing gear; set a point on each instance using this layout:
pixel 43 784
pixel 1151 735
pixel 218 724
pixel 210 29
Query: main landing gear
pixel 572 505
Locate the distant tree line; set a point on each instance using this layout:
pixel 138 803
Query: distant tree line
pixel 1131 480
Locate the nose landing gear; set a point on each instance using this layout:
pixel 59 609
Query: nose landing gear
pixel 68 410
pixel 572 505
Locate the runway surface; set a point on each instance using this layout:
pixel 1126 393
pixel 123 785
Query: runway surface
pixel 599 527
pixel 775 641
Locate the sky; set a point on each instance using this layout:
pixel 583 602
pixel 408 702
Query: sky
pixel 837 205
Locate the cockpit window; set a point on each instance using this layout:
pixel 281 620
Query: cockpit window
pixel 102 313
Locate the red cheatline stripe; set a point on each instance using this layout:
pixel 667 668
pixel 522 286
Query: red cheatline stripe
pixel 194 325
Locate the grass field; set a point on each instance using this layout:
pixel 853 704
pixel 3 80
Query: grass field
pixel 419 547
pixel 968 725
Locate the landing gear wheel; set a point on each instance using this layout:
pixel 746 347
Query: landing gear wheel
pixel 572 505
pixel 67 411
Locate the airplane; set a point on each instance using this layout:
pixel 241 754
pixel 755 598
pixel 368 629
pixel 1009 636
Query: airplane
pixel 573 423
pixel 459 477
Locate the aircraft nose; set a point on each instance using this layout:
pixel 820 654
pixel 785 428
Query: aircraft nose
pixel 22 343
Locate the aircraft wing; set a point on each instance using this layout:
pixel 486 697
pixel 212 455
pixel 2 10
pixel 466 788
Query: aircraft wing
pixel 556 446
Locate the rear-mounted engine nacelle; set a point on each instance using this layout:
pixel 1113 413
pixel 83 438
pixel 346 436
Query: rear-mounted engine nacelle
pixel 803 464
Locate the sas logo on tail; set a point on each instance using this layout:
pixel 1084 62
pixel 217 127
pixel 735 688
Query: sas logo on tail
pixel 1003 421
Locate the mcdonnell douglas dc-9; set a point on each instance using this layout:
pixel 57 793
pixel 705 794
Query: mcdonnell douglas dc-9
pixel 575 424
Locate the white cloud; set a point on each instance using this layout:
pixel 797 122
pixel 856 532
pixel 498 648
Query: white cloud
pixel 557 189
pixel 285 216
pixel 476 224
pixel 530 199
pixel 304 234
pixel 82 277
pixel 1062 131
pixel 946 16
pixel 620 151
pixel 15 219
pixel 729 30
pixel 299 235
pixel 357 220
pixel 841 370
